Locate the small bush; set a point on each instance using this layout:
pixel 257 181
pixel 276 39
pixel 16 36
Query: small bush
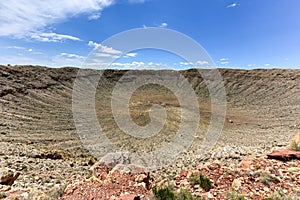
pixel 203 181
pixel 163 194
pixel 294 146
pixel 235 196
pixel 2 195
pixel 186 195
pixel 168 194
pixel 266 178
pixel 279 195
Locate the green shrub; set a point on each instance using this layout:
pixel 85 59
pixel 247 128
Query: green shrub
pixel 266 178
pixel 186 195
pixel 163 194
pixel 203 181
pixel 279 195
pixel 168 194
pixel 235 196
pixel 2 195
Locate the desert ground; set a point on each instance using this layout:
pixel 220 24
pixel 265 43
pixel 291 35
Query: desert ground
pixel 38 137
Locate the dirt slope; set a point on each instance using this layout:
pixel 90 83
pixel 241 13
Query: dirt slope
pixel 36 114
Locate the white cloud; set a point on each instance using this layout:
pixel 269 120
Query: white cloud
pixel 70 55
pixel 24 49
pixel 224 63
pixel 106 55
pixel 94 44
pixel 223 59
pixel 232 5
pixel 267 65
pixel 67 59
pixel 201 62
pixel 130 55
pixel 185 63
pixel 16 47
pixel 94 16
pixel 20 18
pixel 52 37
pixel 104 49
pixel 108 52
pixel 138 65
pixel 163 25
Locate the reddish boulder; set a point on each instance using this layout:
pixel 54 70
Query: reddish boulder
pixel 245 163
pixel 284 155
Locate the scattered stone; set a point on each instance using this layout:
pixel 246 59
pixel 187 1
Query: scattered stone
pixel 245 163
pixel 237 183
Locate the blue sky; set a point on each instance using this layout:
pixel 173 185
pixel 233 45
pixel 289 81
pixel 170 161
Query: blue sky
pixel 236 34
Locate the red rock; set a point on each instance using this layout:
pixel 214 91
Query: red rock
pixel 284 155
pixel 183 173
pixel 245 163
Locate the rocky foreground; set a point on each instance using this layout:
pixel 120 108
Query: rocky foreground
pixel 272 176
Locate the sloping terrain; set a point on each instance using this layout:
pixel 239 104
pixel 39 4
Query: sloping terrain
pixel 38 136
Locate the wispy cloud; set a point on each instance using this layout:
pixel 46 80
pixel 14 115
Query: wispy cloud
pixel 52 37
pixel 70 55
pixel 108 52
pixel 104 49
pixel 130 55
pixel 199 63
pixel 224 61
pixel 21 18
pixel 183 64
pixel 18 59
pixel 67 59
pixel 16 47
pixel 94 16
pixel 232 5
pixel 139 65
pixel 24 49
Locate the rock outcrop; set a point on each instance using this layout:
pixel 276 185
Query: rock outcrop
pixel 122 182
pixel 7 176
pixel 284 155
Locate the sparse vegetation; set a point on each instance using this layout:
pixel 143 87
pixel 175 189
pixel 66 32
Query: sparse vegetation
pixel 168 194
pixel 186 195
pixel 280 195
pixel 294 146
pixel 235 196
pixel 2 195
pixel 203 181
pixel 164 193
pixel 266 178
pixel 57 192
